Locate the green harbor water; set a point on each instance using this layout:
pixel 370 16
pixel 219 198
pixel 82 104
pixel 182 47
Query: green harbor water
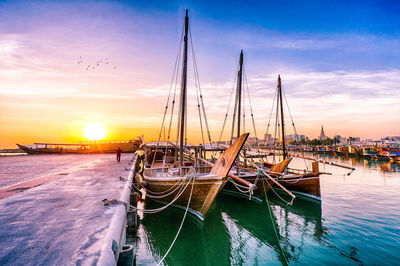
pixel 356 223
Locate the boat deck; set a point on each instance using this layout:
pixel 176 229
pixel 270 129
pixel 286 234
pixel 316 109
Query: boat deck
pixel 242 173
pixel 62 221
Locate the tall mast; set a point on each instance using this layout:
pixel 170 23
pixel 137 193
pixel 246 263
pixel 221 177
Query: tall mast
pixel 183 90
pixel 282 119
pixel 239 97
pixel 239 91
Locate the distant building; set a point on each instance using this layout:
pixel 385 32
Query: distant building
pixel 322 136
pixel 294 137
pixel 267 137
pixel 252 141
pixel 355 140
pixel 338 137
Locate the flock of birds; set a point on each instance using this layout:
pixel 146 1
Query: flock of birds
pixel 103 61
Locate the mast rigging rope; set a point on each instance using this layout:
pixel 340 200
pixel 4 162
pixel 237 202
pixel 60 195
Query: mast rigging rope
pixel 227 109
pixel 199 89
pixel 169 94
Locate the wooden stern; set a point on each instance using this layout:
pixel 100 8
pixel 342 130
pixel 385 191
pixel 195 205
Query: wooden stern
pixel 280 167
pixel 224 163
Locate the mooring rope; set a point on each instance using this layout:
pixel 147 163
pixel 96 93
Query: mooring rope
pixel 273 226
pixel 249 189
pixel 165 206
pixel 180 227
pixel 273 190
pixel 238 187
pixel 167 193
pixel 295 181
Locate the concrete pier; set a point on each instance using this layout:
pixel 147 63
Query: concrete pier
pixel 59 218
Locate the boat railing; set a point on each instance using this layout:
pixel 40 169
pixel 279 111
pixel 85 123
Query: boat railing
pixel 298 171
pixel 168 171
pixel 201 169
pixel 156 172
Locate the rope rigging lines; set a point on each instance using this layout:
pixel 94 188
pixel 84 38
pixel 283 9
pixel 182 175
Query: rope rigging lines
pixel 175 73
pixel 245 106
pixel 201 110
pixel 250 105
pixel 279 122
pixel 227 110
pixel 199 94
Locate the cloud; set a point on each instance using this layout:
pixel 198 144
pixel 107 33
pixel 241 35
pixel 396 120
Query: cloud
pixel 359 98
pixel 38 65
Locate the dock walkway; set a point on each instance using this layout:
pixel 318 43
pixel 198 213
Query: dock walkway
pixel 62 221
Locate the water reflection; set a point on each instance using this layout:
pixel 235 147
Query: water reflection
pixel 251 231
pixel 304 218
pixel 357 216
pixel 236 232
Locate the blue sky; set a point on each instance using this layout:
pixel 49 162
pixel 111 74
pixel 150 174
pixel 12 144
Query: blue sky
pixel 339 62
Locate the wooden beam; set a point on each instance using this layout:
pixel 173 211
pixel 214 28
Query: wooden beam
pixel 324 162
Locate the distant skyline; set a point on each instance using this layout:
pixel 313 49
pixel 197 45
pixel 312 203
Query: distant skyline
pixel 339 62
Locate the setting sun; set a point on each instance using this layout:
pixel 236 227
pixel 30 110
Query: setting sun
pixel 94 131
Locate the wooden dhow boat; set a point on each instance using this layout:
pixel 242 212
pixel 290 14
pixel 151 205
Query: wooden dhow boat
pixel 302 183
pixel 171 182
pixel 106 146
pixel 176 173
pixel 263 175
pixel 245 178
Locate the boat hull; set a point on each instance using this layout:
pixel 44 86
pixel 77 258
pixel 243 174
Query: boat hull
pixel 205 189
pixel 304 184
pixel 97 148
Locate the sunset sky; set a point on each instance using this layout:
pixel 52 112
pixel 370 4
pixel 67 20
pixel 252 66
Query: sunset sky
pixel 339 62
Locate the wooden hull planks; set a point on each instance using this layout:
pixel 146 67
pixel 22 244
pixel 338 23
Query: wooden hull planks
pixel 204 192
pixel 309 184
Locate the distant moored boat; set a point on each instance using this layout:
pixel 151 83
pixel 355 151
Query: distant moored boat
pixel 82 148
